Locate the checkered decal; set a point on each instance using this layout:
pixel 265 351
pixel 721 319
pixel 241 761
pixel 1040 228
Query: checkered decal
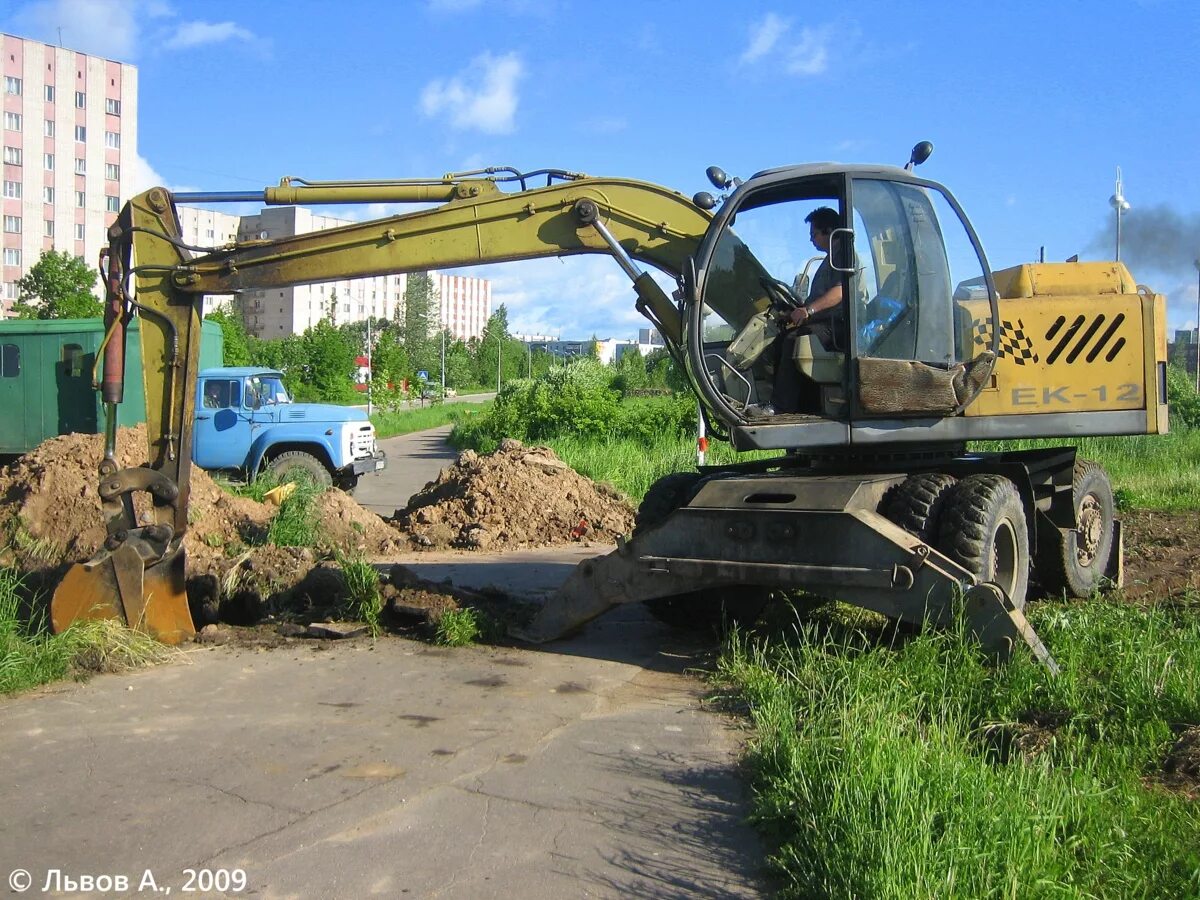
pixel 1014 342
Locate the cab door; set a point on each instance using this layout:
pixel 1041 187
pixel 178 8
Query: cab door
pixel 916 315
pixel 223 426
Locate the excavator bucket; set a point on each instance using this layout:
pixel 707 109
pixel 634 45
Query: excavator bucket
pixel 119 585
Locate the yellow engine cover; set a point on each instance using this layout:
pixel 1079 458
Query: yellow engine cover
pixel 1064 353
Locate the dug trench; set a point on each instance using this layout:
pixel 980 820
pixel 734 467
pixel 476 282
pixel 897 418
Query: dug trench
pixel 516 498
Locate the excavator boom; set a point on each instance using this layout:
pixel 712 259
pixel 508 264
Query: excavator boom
pixel 138 576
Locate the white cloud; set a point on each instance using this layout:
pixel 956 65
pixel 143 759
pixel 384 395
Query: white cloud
pixel 810 53
pixel 143 176
pixel 442 6
pixel 764 35
pixel 775 42
pixel 103 29
pixel 570 297
pixel 197 34
pixel 118 30
pixel 606 125
pixel 482 97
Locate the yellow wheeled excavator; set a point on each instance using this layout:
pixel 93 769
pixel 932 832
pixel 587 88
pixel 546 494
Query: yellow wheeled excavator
pixel 875 500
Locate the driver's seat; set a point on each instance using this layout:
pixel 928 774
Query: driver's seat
pixel 813 360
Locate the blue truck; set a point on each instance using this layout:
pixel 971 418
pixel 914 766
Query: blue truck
pixel 246 420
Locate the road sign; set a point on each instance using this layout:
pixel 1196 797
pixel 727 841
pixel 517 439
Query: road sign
pixel 423 375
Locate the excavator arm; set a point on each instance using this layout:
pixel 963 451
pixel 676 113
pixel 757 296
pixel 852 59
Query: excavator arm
pixel 138 576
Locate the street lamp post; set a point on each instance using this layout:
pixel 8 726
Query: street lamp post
pixel 1118 202
pixel 1197 341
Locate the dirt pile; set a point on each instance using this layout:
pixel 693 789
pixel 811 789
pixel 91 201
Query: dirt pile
pixel 516 497
pixel 50 517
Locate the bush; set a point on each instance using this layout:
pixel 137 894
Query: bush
pixel 575 401
pixel 1182 398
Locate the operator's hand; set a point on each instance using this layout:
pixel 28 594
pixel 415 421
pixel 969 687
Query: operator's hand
pixel 799 315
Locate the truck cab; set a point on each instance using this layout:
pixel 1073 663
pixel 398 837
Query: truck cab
pixel 246 420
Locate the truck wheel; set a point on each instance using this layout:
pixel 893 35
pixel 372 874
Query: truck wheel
pixel 664 497
pixel 709 608
pixel 984 530
pixel 916 503
pixel 1074 560
pixel 298 460
pixel 712 608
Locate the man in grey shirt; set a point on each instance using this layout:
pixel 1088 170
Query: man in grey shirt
pixel 823 314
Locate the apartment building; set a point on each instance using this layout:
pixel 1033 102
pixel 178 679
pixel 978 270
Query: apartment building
pixel 278 312
pixel 465 304
pixel 69 148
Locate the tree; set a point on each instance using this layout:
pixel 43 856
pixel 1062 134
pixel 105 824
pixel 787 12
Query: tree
pixel 629 371
pixel 419 319
pixel 329 362
pixel 237 341
pixel 58 286
pixel 488 352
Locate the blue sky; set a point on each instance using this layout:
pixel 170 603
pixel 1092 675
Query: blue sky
pixel 1031 106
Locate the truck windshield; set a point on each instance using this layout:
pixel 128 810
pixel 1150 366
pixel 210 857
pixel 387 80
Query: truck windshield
pixel 266 390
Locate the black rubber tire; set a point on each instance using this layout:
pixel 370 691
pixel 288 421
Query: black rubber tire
pixel 701 610
pixel 305 462
pixel 984 530
pixel 1074 561
pixel 664 497
pixel 716 608
pixel 916 503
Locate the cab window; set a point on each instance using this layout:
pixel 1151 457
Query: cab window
pixel 917 250
pixel 221 393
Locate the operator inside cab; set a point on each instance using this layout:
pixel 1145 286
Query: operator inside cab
pixel 822 314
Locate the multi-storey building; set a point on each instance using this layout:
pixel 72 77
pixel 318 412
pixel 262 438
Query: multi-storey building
pixel 465 304
pixel 69 147
pixel 209 228
pixel 278 312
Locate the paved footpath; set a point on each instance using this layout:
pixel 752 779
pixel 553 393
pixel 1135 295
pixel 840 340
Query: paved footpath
pixel 588 768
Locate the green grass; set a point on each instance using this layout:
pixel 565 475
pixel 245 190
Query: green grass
pixel 390 424
pixel 922 771
pixel 1155 471
pixel 30 655
pixel 459 627
pixel 364 602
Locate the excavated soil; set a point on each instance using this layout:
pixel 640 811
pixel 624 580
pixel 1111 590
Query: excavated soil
pixel 516 497
pixel 50 517
pixel 1162 554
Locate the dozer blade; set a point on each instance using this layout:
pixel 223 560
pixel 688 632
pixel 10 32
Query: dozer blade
pixel 119 585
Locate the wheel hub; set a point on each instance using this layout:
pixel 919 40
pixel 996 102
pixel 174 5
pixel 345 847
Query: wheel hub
pixel 1090 531
pixel 1003 570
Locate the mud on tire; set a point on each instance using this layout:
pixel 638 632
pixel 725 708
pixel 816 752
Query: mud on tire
pixel 916 503
pixel 985 531
pixel 1074 561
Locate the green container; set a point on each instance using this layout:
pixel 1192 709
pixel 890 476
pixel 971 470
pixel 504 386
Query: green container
pixel 46 378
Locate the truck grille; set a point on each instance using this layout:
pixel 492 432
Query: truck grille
pixel 362 441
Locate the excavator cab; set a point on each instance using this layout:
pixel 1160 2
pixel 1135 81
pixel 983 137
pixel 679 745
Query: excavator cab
pixel 900 345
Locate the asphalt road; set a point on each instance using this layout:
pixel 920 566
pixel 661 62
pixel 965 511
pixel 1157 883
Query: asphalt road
pixel 589 767
pixel 413 460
